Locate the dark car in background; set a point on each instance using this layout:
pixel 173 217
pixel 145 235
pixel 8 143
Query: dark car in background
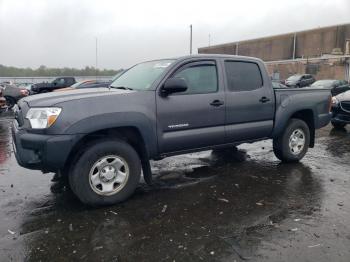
pixel 336 86
pixel 341 110
pixel 299 80
pixel 59 82
pixel 12 94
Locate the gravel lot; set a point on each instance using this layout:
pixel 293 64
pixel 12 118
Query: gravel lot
pixel 209 206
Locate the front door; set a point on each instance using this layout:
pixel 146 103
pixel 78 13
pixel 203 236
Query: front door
pixel 194 118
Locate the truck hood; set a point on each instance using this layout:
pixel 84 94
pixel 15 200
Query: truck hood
pixel 344 96
pixel 54 98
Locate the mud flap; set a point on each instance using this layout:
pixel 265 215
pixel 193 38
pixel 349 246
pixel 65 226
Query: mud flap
pixel 147 172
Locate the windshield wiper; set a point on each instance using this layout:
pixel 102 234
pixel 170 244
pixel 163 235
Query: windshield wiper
pixel 122 87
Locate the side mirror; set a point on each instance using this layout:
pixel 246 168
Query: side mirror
pixel 174 85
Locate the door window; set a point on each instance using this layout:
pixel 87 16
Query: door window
pixel 200 78
pixel 243 76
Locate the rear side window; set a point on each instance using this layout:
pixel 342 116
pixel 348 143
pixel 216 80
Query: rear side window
pixel 243 76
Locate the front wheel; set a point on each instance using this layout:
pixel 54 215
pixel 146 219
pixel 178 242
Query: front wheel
pixel 106 173
pixel 293 143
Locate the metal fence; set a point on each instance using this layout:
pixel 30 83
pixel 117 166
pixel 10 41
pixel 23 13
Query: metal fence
pixel 39 79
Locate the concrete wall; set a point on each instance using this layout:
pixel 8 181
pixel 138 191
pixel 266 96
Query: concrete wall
pixel 320 69
pixel 310 43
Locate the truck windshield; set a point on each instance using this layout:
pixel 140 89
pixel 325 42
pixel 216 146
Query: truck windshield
pixel 141 76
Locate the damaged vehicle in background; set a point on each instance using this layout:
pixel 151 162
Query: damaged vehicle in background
pixel 341 110
pixel 12 93
pixel 158 109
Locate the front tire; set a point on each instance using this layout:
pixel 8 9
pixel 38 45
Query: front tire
pixel 107 172
pixel 338 125
pixel 293 143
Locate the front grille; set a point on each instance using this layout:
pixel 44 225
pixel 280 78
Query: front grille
pixel 345 105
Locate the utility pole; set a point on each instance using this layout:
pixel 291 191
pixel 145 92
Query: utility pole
pixel 190 39
pixel 209 40
pixel 96 59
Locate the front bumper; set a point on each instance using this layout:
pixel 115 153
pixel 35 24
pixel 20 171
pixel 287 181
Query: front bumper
pixel 339 115
pixel 48 153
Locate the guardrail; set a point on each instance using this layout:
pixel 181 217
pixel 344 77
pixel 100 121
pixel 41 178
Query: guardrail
pixel 38 79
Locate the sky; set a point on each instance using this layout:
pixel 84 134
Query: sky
pixel 62 33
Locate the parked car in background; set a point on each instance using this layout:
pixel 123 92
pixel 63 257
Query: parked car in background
pixel 277 84
pixel 60 82
pixel 336 86
pixel 85 84
pixel 3 105
pixel 27 86
pixel 12 93
pixel 157 109
pixel 300 80
pixel 341 110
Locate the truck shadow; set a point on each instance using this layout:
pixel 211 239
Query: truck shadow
pixel 338 143
pixel 234 204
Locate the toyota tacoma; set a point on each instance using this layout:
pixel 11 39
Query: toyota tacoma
pixel 102 138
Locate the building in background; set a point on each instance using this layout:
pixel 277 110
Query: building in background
pixel 322 52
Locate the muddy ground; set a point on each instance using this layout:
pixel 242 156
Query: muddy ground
pixel 234 205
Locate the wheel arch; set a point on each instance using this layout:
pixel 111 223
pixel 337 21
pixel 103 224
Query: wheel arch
pixel 129 134
pixel 306 115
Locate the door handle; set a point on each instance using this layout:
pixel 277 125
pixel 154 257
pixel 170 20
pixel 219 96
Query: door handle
pixel 264 99
pixel 216 103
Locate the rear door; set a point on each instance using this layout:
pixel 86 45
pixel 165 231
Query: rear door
pixel 194 118
pixel 249 101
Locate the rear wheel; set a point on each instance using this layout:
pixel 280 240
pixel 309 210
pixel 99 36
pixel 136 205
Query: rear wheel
pixel 293 143
pixel 107 172
pixel 338 125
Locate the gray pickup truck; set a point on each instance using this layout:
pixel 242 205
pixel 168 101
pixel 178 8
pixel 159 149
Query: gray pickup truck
pixel 102 138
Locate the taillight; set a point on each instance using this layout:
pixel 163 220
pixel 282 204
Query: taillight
pixel 330 104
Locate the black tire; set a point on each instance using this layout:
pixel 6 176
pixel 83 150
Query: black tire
pixel 281 146
pixel 79 176
pixel 338 125
pixel 10 102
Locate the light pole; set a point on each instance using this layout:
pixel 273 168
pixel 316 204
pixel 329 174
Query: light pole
pixel 96 58
pixel 190 39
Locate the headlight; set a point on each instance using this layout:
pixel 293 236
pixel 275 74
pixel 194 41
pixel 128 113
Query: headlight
pixel 335 101
pixel 43 117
